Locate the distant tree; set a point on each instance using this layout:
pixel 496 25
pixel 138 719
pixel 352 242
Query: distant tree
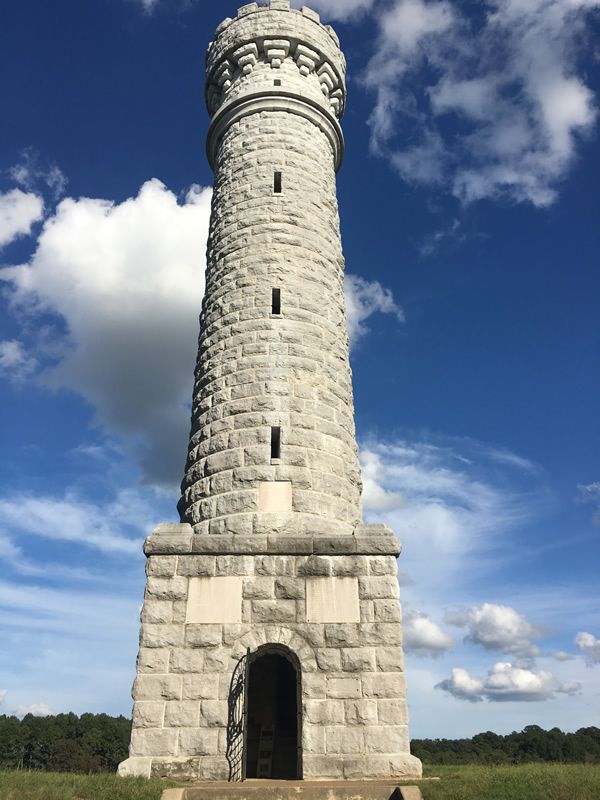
pixel 64 743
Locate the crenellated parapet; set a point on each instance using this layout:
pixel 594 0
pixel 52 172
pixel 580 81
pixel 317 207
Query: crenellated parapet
pixel 279 57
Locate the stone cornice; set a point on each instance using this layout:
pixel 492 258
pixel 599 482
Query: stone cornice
pixel 179 539
pixel 275 101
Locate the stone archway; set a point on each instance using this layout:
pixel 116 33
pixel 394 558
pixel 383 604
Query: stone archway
pixel 273 714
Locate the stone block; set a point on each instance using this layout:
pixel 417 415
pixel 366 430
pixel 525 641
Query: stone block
pixel 344 635
pixel 157 611
pixel 274 565
pixel 217 599
pixel 378 587
pixel 290 588
pixel 384 684
pixel 198 742
pixel 382 565
pixel 387 611
pixel 235 565
pixel 203 635
pixel 200 687
pixel 324 712
pixel 153 660
pixel 196 566
pixel 340 739
pixel 213 713
pixel 343 687
pixel 152 742
pixel 135 768
pixel 148 714
pixel 386 739
pixel 358 659
pixel 265 611
pixel 389 659
pixel 157 687
pixel 314 565
pixel 186 660
pixel 166 588
pixel 217 659
pixel 260 588
pixel 322 767
pixel 161 566
pixel 392 712
pixel 165 635
pixel 330 599
pixel 360 712
pixel 182 715
pixel 329 659
pixel 313 739
pixel 313 685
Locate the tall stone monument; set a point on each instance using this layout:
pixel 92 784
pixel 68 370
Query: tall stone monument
pixel 271 638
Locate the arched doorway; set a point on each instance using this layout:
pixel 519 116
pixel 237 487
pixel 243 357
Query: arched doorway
pixel 273 714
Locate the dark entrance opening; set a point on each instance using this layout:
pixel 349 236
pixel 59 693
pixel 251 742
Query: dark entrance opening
pixel 273 723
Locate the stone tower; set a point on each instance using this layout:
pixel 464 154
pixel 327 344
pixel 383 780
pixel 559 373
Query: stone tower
pixel 271 639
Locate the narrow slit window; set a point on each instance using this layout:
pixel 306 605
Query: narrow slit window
pixel 277 183
pixel 276 442
pixel 277 82
pixel 276 301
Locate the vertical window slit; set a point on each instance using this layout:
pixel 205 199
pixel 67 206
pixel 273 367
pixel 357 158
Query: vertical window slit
pixel 277 183
pixel 276 301
pixel 276 442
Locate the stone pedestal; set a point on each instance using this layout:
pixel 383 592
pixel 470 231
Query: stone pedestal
pixel 353 694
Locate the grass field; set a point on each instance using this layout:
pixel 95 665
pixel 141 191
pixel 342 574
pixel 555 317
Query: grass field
pixel 526 782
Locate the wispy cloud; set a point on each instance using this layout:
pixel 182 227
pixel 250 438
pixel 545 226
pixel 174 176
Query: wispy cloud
pixel 15 363
pixel 488 105
pixel 590 493
pixel 363 300
pixel 106 528
pixel 33 174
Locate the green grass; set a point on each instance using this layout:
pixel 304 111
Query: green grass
pixel 523 782
pixel 70 786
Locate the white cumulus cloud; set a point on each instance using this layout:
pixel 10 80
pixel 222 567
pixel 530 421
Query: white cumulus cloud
pixel 127 281
pixel 505 682
pixel 510 84
pixel 589 646
pixel 497 627
pixel 422 636
pixel 18 212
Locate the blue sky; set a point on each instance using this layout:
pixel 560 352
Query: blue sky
pixel 469 207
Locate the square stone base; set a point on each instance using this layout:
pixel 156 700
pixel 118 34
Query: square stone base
pixel 336 615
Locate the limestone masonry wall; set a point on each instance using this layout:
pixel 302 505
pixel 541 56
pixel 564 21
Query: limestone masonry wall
pixel 353 688
pixel 261 367
pixel 270 562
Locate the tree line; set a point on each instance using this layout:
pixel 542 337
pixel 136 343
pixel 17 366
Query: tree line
pixel 98 742
pixel 529 745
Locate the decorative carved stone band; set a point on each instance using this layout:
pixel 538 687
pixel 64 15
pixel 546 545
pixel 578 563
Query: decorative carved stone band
pixel 269 101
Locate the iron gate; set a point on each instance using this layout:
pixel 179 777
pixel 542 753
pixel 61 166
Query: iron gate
pixel 236 720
